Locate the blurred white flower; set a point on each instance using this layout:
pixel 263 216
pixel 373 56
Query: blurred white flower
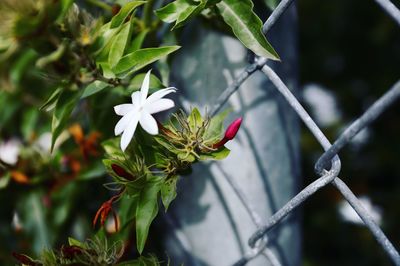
pixel 323 104
pixel 43 143
pixel 140 111
pixel 9 151
pixel 348 214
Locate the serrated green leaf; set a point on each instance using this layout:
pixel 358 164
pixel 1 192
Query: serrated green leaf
pixel 141 58
pixel 146 211
pixel 247 26
pixel 94 87
pixel 118 45
pixel 215 155
pixel 180 11
pixel 64 106
pixel 124 12
pixel 168 191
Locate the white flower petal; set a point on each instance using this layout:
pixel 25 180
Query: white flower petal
pixel 129 131
pixel 136 98
pixel 159 105
pixel 123 109
pixel 148 123
pixel 159 94
pixel 144 90
pixel 123 122
pixel 9 151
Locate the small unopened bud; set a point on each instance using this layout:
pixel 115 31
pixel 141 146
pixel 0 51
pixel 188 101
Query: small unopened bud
pixel 121 172
pixel 230 133
pixel 233 128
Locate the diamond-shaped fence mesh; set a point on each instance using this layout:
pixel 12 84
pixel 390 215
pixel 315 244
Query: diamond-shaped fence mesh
pixel 328 165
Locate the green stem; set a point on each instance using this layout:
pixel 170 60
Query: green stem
pixel 148 13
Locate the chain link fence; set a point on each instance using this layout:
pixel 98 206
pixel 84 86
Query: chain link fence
pixel 327 166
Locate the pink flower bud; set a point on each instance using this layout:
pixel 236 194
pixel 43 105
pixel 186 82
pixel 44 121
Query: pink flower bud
pixel 230 133
pixel 233 128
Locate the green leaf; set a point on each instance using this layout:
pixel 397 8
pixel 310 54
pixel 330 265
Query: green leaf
pixel 74 242
pixel 4 180
pixel 141 261
pixel 195 120
pixel 111 146
pixel 137 42
pixel 247 26
pixel 141 58
pixel 106 39
pixel 29 120
pixel 21 65
pixel 272 4
pixel 65 104
pixel 94 87
pixel 127 9
pixel 146 211
pixel 215 155
pixel 180 11
pixel 107 71
pixel 33 217
pixel 51 101
pixel 118 45
pixel 215 129
pixel 168 191
pixel 136 83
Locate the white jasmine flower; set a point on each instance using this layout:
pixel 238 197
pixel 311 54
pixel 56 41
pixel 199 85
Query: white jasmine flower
pixel 140 111
pixel 9 151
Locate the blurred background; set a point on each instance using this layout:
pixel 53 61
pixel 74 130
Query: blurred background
pixel 349 56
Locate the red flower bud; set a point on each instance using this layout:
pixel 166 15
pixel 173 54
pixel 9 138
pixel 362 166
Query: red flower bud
pixel 233 128
pixel 119 171
pixel 69 252
pixel 230 133
pixel 25 260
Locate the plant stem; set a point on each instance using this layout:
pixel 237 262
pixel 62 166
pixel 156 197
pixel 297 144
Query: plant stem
pixel 148 13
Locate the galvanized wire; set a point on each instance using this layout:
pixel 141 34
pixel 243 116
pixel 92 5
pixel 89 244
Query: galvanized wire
pixel 328 159
pixel 390 9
